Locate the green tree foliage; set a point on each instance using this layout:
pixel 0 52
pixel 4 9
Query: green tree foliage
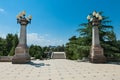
pixel 71 48
pixel 45 51
pixel 42 52
pixel 8 45
pixel 79 47
pixel 3 49
pixel 35 51
pixel 76 49
pixel 12 51
pixel 12 42
pixel 9 40
pixel 59 48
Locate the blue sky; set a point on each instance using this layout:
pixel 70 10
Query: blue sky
pixel 54 21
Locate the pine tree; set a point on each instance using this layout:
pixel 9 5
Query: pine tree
pixel 81 45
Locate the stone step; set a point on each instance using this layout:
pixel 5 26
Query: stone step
pixel 58 55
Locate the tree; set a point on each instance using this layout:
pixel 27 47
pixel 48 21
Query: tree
pixel 35 51
pixel 12 42
pixel 9 40
pixel 7 46
pixel 3 49
pixel 59 48
pixel 12 51
pixel 71 48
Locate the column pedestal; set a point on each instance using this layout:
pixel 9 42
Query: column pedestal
pixel 21 55
pixel 97 55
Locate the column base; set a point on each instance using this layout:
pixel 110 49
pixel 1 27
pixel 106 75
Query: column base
pixel 98 59
pixel 21 56
pixel 97 56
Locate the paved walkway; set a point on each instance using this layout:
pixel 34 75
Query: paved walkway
pixel 59 69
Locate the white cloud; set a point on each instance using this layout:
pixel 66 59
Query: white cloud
pixel 37 39
pixel 2 10
pixel 2 35
pixel 42 40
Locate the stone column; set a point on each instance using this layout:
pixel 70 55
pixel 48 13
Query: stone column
pixel 22 39
pixel 95 37
pixel 96 55
pixel 96 52
pixel 21 51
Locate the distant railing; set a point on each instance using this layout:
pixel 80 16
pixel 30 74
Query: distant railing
pixel 6 58
pixel 109 59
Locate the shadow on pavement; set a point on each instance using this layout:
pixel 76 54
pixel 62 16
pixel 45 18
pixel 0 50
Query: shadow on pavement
pixel 37 64
pixel 115 63
pixel 108 62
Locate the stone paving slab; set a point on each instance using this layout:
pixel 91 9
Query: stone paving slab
pixel 59 69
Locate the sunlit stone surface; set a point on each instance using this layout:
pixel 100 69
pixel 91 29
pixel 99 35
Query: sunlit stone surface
pixel 59 69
